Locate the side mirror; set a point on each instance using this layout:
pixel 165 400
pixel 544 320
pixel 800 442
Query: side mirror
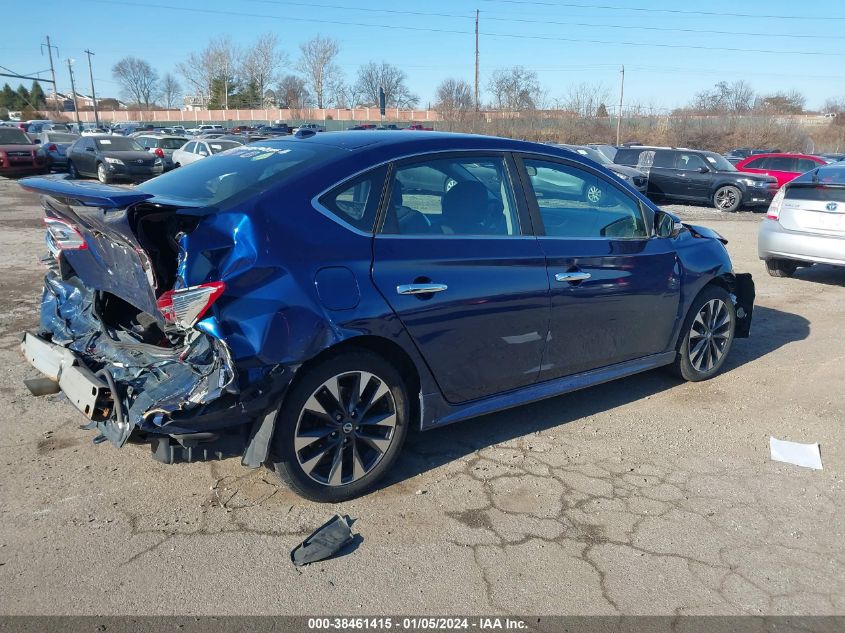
pixel 704 170
pixel 36 141
pixel 89 149
pixel 667 225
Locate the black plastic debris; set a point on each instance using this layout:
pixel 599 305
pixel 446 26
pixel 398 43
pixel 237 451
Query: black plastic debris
pixel 326 541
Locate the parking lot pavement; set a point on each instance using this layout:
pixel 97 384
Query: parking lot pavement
pixel 643 496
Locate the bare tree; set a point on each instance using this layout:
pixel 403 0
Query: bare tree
pixel 515 89
pixel 584 99
pixel 782 102
pixel 388 77
pixel 293 92
pixel 454 100
pixel 138 80
pixel 725 98
pixel 260 63
pixel 343 94
pixel 171 91
pixel 199 71
pixel 316 62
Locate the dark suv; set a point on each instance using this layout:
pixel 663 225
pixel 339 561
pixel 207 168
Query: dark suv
pixel 697 176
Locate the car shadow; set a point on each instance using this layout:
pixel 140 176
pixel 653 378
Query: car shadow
pixel 822 274
pixel 771 329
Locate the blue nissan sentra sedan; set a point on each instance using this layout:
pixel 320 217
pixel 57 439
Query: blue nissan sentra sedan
pixel 302 302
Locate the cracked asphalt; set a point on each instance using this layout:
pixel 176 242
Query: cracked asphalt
pixel 643 496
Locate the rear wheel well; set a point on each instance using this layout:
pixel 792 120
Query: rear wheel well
pixel 386 349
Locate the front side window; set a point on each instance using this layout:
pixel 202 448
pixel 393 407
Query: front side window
pixel 356 202
pixel 575 203
pixel 688 162
pixel 805 164
pixel 467 195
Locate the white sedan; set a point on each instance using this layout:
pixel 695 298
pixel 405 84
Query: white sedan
pixel 192 151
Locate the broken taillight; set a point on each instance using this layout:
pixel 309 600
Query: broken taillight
pixel 186 306
pixel 64 235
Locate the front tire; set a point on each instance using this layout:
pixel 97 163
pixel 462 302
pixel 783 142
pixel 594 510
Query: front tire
pixel 341 427
pixel 103 174
pixel 781 267
pixel 727 199
pixel 73 173
pixel 707 335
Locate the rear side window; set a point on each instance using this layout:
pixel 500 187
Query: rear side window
pixel 757 163
pixel 575 203
pixel 781 163
pixel 356 202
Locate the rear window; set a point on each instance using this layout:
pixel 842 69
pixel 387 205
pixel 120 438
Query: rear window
pixel 58 137
pixel 243 170
pixel 171 143
pixel 13 136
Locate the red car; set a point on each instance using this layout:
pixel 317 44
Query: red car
pixel 19 156
pixel 783 167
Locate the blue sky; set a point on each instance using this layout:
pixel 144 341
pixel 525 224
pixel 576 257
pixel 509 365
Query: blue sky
pixel 668 52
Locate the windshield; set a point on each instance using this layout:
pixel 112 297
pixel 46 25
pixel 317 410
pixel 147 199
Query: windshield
pixel 244 169
pixel 222 146
pixel 595 155
pixel 58 137
pixel 13 136
pixel 719 162
pixel 118 144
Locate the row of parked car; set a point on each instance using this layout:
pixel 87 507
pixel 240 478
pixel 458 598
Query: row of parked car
pixel 689 175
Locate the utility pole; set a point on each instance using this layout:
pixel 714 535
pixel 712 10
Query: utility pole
pixel 619 114
pixel 476 60
pixel 93 94
pixel 50 48
pixel 73 90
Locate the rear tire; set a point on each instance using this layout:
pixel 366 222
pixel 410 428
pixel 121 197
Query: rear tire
pixel 727 199
pixel 341 427
pixel 781 267
pixel 707 335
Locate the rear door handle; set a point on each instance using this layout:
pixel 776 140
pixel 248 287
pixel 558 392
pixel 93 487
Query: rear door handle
pixel 575 275
pixel 420 289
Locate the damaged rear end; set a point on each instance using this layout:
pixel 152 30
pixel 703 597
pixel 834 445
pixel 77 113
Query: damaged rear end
pixel 129 326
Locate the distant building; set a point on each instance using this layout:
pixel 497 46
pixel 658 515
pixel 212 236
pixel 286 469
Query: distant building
pixel 83 101
pixel 195 102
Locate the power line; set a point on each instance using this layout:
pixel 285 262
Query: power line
pixel 572 5
pixel 486 34
pixel 493 17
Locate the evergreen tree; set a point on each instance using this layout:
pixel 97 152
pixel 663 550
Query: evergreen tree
pixel 24 97
pixel 9 98
pixel 36 95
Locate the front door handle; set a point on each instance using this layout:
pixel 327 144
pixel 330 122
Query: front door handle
pixel 420 289
pixel 575 275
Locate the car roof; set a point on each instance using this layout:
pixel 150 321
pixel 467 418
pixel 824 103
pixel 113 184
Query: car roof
pixel 782 155
pixel 401 143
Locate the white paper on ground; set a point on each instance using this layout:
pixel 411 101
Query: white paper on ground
pixel 806 455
